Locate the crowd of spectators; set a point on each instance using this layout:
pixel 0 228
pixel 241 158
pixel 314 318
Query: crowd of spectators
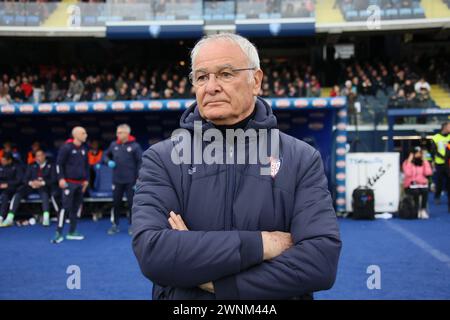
pixel 52 84
pixel 397 84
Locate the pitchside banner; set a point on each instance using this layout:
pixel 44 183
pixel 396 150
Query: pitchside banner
pixel 378 171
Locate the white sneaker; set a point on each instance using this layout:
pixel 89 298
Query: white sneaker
pixel 1 219
pixel 425 214
pixel 419 214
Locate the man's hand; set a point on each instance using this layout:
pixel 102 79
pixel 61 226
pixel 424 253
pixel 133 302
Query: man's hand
pixel 177 223
pixel 3 185
pixel 85 185
pixel 275 243
pixel 207 287
pixel 62 183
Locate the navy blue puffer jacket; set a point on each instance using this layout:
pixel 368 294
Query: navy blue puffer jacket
pixel 225 208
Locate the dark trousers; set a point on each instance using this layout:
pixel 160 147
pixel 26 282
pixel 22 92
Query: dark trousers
pixel 24 191
pixel 417 194
pixel 441 176
pixel 119 190
pixel 72 198
pixel 5 197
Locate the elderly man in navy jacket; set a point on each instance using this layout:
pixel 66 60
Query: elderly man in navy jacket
pixel 212 230
pixel 72 170
pixel 124 156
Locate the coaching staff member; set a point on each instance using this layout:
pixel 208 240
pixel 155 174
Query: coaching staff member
pixel 222 231
pixel 124 156
pixel 72 170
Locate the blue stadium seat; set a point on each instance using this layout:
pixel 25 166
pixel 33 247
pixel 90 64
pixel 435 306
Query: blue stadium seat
pixel 8 20
pixel 264 16
pixel 418 13
pixel 351 15
pixel 217 17
pixel 195 17
pixel 89 20
pixel 405 13
pixel 20 20
pixel 364 14
pixel 275 16
pixel 103 183
pixel 33 21
pixel 391 14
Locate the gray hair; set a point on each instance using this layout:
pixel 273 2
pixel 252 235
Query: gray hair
pixel 124 126
pixel 246 46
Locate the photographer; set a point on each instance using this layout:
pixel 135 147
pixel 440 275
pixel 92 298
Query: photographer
pixel 416 170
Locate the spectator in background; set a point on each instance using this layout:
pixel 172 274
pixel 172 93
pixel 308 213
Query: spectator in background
pixel 417 170
pixel 31 156
pixel 17 94
pixel 336 91
pixel 123 95
pixel 5 98
pixel 409 89
pixel 8 147
pixel 110 94
pixel 350 92
pixel 27 88
pixel 422 84
pixel 76 88
pixel 313 88
pixel 55 94
pixel 98 95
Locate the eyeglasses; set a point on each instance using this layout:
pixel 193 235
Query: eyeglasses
pixel 226 75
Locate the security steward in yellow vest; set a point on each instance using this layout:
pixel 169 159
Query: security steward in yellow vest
pixel 438 149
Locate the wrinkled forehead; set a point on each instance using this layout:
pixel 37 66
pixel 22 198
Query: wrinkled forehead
pixel 218 53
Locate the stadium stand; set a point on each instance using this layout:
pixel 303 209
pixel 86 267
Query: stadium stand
pixel 356 10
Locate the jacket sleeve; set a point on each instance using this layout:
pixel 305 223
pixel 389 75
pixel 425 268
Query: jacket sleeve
pixel 52 179
pixel 61 161
pixel 407 168
pixel 18 177
pixel 138 157
pixel 427 169
pixel 182 258
pixel 27 176
pixel 87 167
pixel 311 263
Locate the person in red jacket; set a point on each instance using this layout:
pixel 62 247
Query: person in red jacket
pixel 417 170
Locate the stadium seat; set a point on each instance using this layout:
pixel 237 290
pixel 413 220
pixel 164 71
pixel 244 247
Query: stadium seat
pixel 351 15
pixel 33 21
pixel 391 13
pixel 364 14
pixel 20 20
pixel 405 13
pixel 8 20
pixel 418 13
pixel 89 20
pixel 103 183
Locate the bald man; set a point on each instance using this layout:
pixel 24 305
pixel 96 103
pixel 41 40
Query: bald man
pixel 72 169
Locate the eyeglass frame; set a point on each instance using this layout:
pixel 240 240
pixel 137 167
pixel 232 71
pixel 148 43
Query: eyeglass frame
pixel 191 74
